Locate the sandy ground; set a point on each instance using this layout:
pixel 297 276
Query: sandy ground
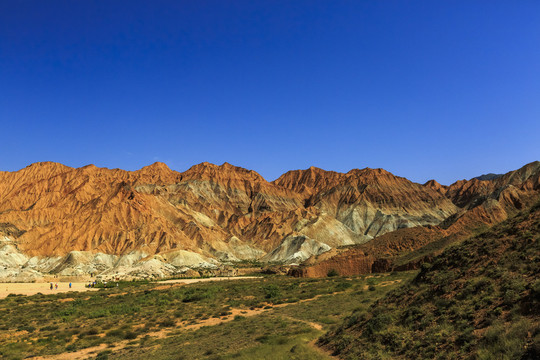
pixel 44 287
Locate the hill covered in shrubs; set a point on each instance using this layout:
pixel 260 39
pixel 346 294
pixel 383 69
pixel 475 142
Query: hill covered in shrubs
pixel 480 299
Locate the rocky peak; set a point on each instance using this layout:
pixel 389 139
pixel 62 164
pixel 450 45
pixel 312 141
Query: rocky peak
pixel 521 175
pixel 156 167
pixel 219 173
pixel 157 173
pixel 434 185
pixel 308 181
pixel 44 169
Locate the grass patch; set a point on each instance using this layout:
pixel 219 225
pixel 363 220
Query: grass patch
pixel 46 325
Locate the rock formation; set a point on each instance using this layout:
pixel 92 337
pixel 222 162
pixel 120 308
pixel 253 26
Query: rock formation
pixel 58 219
pixel 479 204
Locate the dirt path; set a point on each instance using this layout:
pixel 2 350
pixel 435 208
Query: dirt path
pixel 85 353
pixel 384 283
pixel 81 354
pixel 314 325
pixel 313 343
pixel 218 278
pixel 389 282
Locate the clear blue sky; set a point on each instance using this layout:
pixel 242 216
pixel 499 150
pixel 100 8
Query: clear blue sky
pixel 424 89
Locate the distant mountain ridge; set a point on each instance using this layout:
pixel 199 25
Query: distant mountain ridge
pixel 488 177
pixel 213 214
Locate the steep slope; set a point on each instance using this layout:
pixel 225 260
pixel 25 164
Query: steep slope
pixel 155 209
pixel 478 300
pixel 479 204
pixel 223 212
pixel 370 202
pixel 61 209
pixel 434 185
pixel 489 202
pixel 224 204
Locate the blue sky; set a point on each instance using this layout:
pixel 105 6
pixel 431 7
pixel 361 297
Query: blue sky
pixel 425 89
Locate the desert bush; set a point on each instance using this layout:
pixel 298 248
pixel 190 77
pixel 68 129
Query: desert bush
pixel 130 335
pixel 505 340
pixel 271 291
pixel 92 331
pixel 167 323
pixel 332 272
pixel 104 355
pixel 342 286
pixel 99 313
pixel 378 322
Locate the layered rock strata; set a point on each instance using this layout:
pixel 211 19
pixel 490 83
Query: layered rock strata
pixel 74 219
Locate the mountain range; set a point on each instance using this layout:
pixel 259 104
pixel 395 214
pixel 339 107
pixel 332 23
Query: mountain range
pixel 74 221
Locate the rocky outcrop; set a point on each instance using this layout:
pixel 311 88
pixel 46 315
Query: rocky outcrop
pixel 345 264
pixel 296 249
pixel 370 202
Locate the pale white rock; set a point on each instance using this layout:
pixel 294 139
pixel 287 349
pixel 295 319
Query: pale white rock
pixel 296 249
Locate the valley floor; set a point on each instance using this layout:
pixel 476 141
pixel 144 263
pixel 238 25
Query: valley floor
pixel 26 288
pixel 262 318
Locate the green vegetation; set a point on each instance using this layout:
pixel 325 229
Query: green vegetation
pixel 479 300
pixel 332 272
pixel 427 251
pixel 274 317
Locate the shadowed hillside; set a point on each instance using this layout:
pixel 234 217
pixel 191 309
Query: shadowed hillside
pixel 478 300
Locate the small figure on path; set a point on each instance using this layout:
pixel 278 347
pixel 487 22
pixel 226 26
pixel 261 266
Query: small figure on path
pixel 70 285
pixel 51 286
pixel 56 286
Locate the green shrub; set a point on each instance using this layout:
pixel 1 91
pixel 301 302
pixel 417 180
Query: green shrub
pixel 378 322
pixel 332 272
pixel 271 291
pixel 104 355
pixel 28 328
pixel 92 331
pixel 167 323
pixel 342 286
pixel 99 313
pixel 130 335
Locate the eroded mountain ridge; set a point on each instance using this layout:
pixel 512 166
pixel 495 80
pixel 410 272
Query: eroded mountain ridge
pixel 53 214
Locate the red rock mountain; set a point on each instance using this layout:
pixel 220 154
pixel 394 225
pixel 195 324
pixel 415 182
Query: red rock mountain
pixel 479 204
pixel 230 213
